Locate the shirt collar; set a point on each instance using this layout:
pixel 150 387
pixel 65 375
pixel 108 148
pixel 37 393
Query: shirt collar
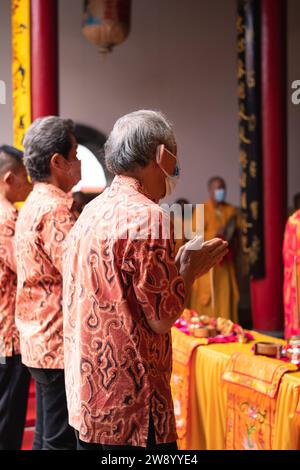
pixel 132 182
pixel 55 192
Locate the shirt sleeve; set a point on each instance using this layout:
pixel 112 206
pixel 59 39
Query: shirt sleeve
pixel 55 228
pixel 158 287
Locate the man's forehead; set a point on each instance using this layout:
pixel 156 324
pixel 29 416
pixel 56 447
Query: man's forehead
pixel 218 182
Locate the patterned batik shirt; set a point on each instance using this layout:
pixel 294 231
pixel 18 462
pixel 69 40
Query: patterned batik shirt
pixel 119 272
pixel 42 226
pixel 291 286
pixel 9 337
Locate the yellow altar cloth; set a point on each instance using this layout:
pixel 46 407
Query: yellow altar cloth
pixel 253 383
pixel 207 400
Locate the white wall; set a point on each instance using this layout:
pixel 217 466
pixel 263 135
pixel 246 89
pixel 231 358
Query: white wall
pixel 180 58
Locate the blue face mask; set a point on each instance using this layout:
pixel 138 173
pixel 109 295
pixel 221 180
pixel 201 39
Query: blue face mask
pixel 220 195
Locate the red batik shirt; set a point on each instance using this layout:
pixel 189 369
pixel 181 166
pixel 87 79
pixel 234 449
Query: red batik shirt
pixel 9 338
pixel 291 286
pixel 117 369
pixel 43 223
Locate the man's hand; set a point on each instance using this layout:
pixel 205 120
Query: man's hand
pixel 193 260
pixel 195 263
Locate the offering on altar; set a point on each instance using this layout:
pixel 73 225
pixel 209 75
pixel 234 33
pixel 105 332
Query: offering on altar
pixel 292 350
pixel 203 326
pixel 265 348
pixel 289 352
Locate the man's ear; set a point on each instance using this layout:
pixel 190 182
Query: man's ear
pixel 175 149
pixel 159 153
pixel 8 177
pixel 55 161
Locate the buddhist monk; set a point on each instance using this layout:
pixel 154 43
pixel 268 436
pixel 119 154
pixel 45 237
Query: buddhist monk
pixel 216 293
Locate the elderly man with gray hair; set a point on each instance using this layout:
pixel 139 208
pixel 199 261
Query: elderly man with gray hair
pixel 50 151
pixel 123 291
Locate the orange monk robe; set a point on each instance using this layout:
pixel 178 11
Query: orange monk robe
pixel 291 289
pixel 223 276
pixel 184 223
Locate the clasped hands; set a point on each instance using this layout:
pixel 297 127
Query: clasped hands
pixel 196 258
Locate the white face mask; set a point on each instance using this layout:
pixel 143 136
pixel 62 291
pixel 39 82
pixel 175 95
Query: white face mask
pixel 220 195
pixel 171 183
pixel 171 180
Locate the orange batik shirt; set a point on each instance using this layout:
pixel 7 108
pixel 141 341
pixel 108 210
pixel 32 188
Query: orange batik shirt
pixel 291 259
pixel 119 271
pixel 9 338
pixel 43 223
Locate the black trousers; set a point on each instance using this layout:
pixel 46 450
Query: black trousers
pixel 14 386
pixel 151 443
pixel 53 431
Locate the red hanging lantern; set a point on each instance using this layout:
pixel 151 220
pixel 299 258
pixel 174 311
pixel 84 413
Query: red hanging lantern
pixel 106 23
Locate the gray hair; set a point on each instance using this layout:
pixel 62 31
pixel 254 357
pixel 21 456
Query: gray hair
pixel 45 137
pixel 134 139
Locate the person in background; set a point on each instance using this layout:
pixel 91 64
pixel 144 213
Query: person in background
pixel 296 202
pixel 14 376
pixel 50 156
pixel 123 291
pixel 81 199
pixel 291 287
pixel 217 293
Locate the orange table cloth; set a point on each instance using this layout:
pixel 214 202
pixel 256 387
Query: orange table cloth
pixel 205 411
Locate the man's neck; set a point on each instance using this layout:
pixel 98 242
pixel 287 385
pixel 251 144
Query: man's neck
pixel 54 182
pixel 4 195
pixel 145 188
pixel 217 205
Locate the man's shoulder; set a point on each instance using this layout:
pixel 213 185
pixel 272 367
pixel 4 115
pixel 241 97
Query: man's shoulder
pixel 34 211
pixel 230 207
pixel 292 228
pixel 8 214
pixel 90 218
pixel 95 204
pixel 105 207
pixel 143 207
pixel 92 212
pixel 294 219
pixel 8 218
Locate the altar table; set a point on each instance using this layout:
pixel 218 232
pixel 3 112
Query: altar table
pixel 206 420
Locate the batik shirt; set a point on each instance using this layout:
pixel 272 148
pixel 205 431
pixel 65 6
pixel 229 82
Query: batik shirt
pixel 291 291
pixel 43 223
pixel 9 338
pixel 120 272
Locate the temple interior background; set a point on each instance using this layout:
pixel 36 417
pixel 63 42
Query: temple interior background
pixel 180 57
